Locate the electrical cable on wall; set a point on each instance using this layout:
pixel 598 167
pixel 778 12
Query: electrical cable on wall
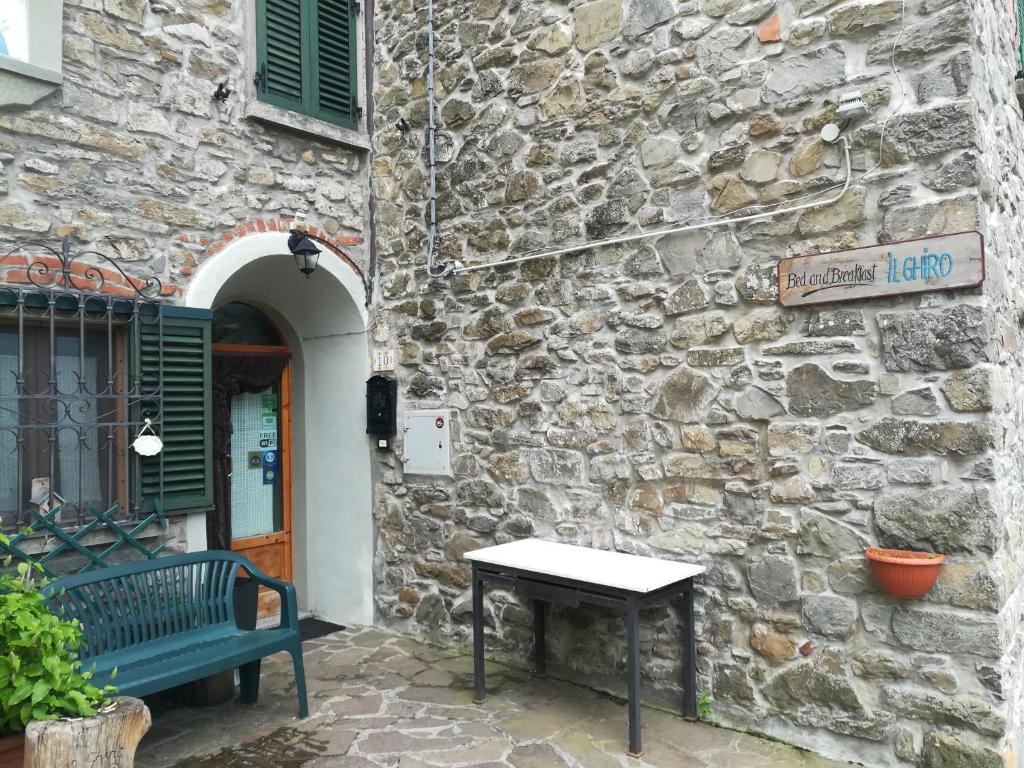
pixel 672 230
pixel 830 134
pixel 432 266
pixel 903 90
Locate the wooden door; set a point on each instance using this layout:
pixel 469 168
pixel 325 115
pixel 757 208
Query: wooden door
pixel 261 489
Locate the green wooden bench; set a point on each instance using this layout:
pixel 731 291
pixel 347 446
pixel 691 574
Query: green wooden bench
pixel 164 622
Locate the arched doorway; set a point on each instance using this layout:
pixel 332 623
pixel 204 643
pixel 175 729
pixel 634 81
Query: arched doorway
pixel 322 322
pixel 252 443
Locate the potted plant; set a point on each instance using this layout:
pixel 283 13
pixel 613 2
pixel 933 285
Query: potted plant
pixel 40 672
pixel 904 573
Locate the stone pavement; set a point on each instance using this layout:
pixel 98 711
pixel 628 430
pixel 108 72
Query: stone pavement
pixel 379 700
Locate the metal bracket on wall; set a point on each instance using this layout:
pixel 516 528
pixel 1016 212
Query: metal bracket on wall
pixel 260 79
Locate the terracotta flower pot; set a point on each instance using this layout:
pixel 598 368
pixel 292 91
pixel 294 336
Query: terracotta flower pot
pixel 905 574
pixel 12 751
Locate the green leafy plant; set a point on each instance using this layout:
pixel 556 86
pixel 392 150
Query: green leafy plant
pixel 704 702
pixel 41 676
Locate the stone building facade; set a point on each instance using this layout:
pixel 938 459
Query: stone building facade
pixel 651 397
pixel 654 398
pixel 154 150
pixel 133 157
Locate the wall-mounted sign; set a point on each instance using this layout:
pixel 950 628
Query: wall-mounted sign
pixel 912 266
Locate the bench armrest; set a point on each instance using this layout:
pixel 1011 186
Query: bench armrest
pixel 289 601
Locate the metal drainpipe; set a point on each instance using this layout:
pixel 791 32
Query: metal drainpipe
pixel 432 142
pixel 368 49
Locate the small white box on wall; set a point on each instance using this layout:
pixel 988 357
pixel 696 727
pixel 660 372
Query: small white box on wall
pixel 427 442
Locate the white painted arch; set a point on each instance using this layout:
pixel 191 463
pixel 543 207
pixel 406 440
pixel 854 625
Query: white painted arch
pixel 325 321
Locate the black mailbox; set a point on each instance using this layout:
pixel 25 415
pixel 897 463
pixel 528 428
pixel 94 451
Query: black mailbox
pixel 381 406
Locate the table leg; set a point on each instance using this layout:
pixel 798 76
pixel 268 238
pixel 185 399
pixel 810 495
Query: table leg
pixel 539 656
pixel 478 638
pixel 633 664
pixel 689 656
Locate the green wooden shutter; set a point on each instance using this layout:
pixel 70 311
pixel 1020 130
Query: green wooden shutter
pixel 186 462
pixel 1020 32
pixel 334 81
pixel 282 79
pixel 306 52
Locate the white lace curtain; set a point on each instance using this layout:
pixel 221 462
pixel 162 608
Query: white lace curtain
pixel 8 436
pixel 78 439
pixel 78 460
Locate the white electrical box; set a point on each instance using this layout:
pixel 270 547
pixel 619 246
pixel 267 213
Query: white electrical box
pixel 427 442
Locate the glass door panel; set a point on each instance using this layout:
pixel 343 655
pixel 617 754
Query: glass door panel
pixel 256 496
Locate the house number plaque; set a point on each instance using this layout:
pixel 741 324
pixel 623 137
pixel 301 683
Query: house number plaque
pixel 911 266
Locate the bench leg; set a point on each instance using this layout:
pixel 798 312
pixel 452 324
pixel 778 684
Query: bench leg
pixel 300 681
pixel 539 658
pixel 249 677
pixel 689 656
pixel 479 691
pixel 633 673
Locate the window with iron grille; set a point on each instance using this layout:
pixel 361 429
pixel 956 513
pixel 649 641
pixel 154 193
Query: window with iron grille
pixel 81 372
pixel 306 58
pixel 59 426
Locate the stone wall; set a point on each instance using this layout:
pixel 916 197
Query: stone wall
pixel 651 398
pixel 654 398
pixel 133 157
pixel 1002 198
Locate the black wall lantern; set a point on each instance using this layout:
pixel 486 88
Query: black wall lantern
pixel 302 246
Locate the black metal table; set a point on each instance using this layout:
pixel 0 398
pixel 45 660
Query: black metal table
pixel 561 574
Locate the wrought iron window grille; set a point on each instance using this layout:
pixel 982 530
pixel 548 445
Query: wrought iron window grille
pixel 73 391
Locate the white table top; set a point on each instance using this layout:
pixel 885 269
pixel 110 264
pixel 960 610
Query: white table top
pixel 593 566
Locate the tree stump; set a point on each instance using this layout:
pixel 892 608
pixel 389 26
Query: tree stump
pixel 108 740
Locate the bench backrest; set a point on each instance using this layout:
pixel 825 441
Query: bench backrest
pixel 131 604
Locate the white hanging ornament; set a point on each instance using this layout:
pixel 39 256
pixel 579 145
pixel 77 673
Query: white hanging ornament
pixel 148 444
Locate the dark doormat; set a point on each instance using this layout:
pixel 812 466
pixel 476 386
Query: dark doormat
pixel 313 628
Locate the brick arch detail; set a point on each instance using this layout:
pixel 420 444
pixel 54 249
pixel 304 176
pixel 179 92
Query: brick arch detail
pixel 334 244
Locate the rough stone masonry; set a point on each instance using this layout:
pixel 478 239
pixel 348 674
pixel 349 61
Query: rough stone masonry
pixel 133 158
pixel 654 398
pixel 651 398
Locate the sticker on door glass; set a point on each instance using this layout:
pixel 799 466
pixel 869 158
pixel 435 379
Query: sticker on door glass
pixel 268 421
pixel 269 467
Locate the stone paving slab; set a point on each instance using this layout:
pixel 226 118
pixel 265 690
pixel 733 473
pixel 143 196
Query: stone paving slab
pixel 379 700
